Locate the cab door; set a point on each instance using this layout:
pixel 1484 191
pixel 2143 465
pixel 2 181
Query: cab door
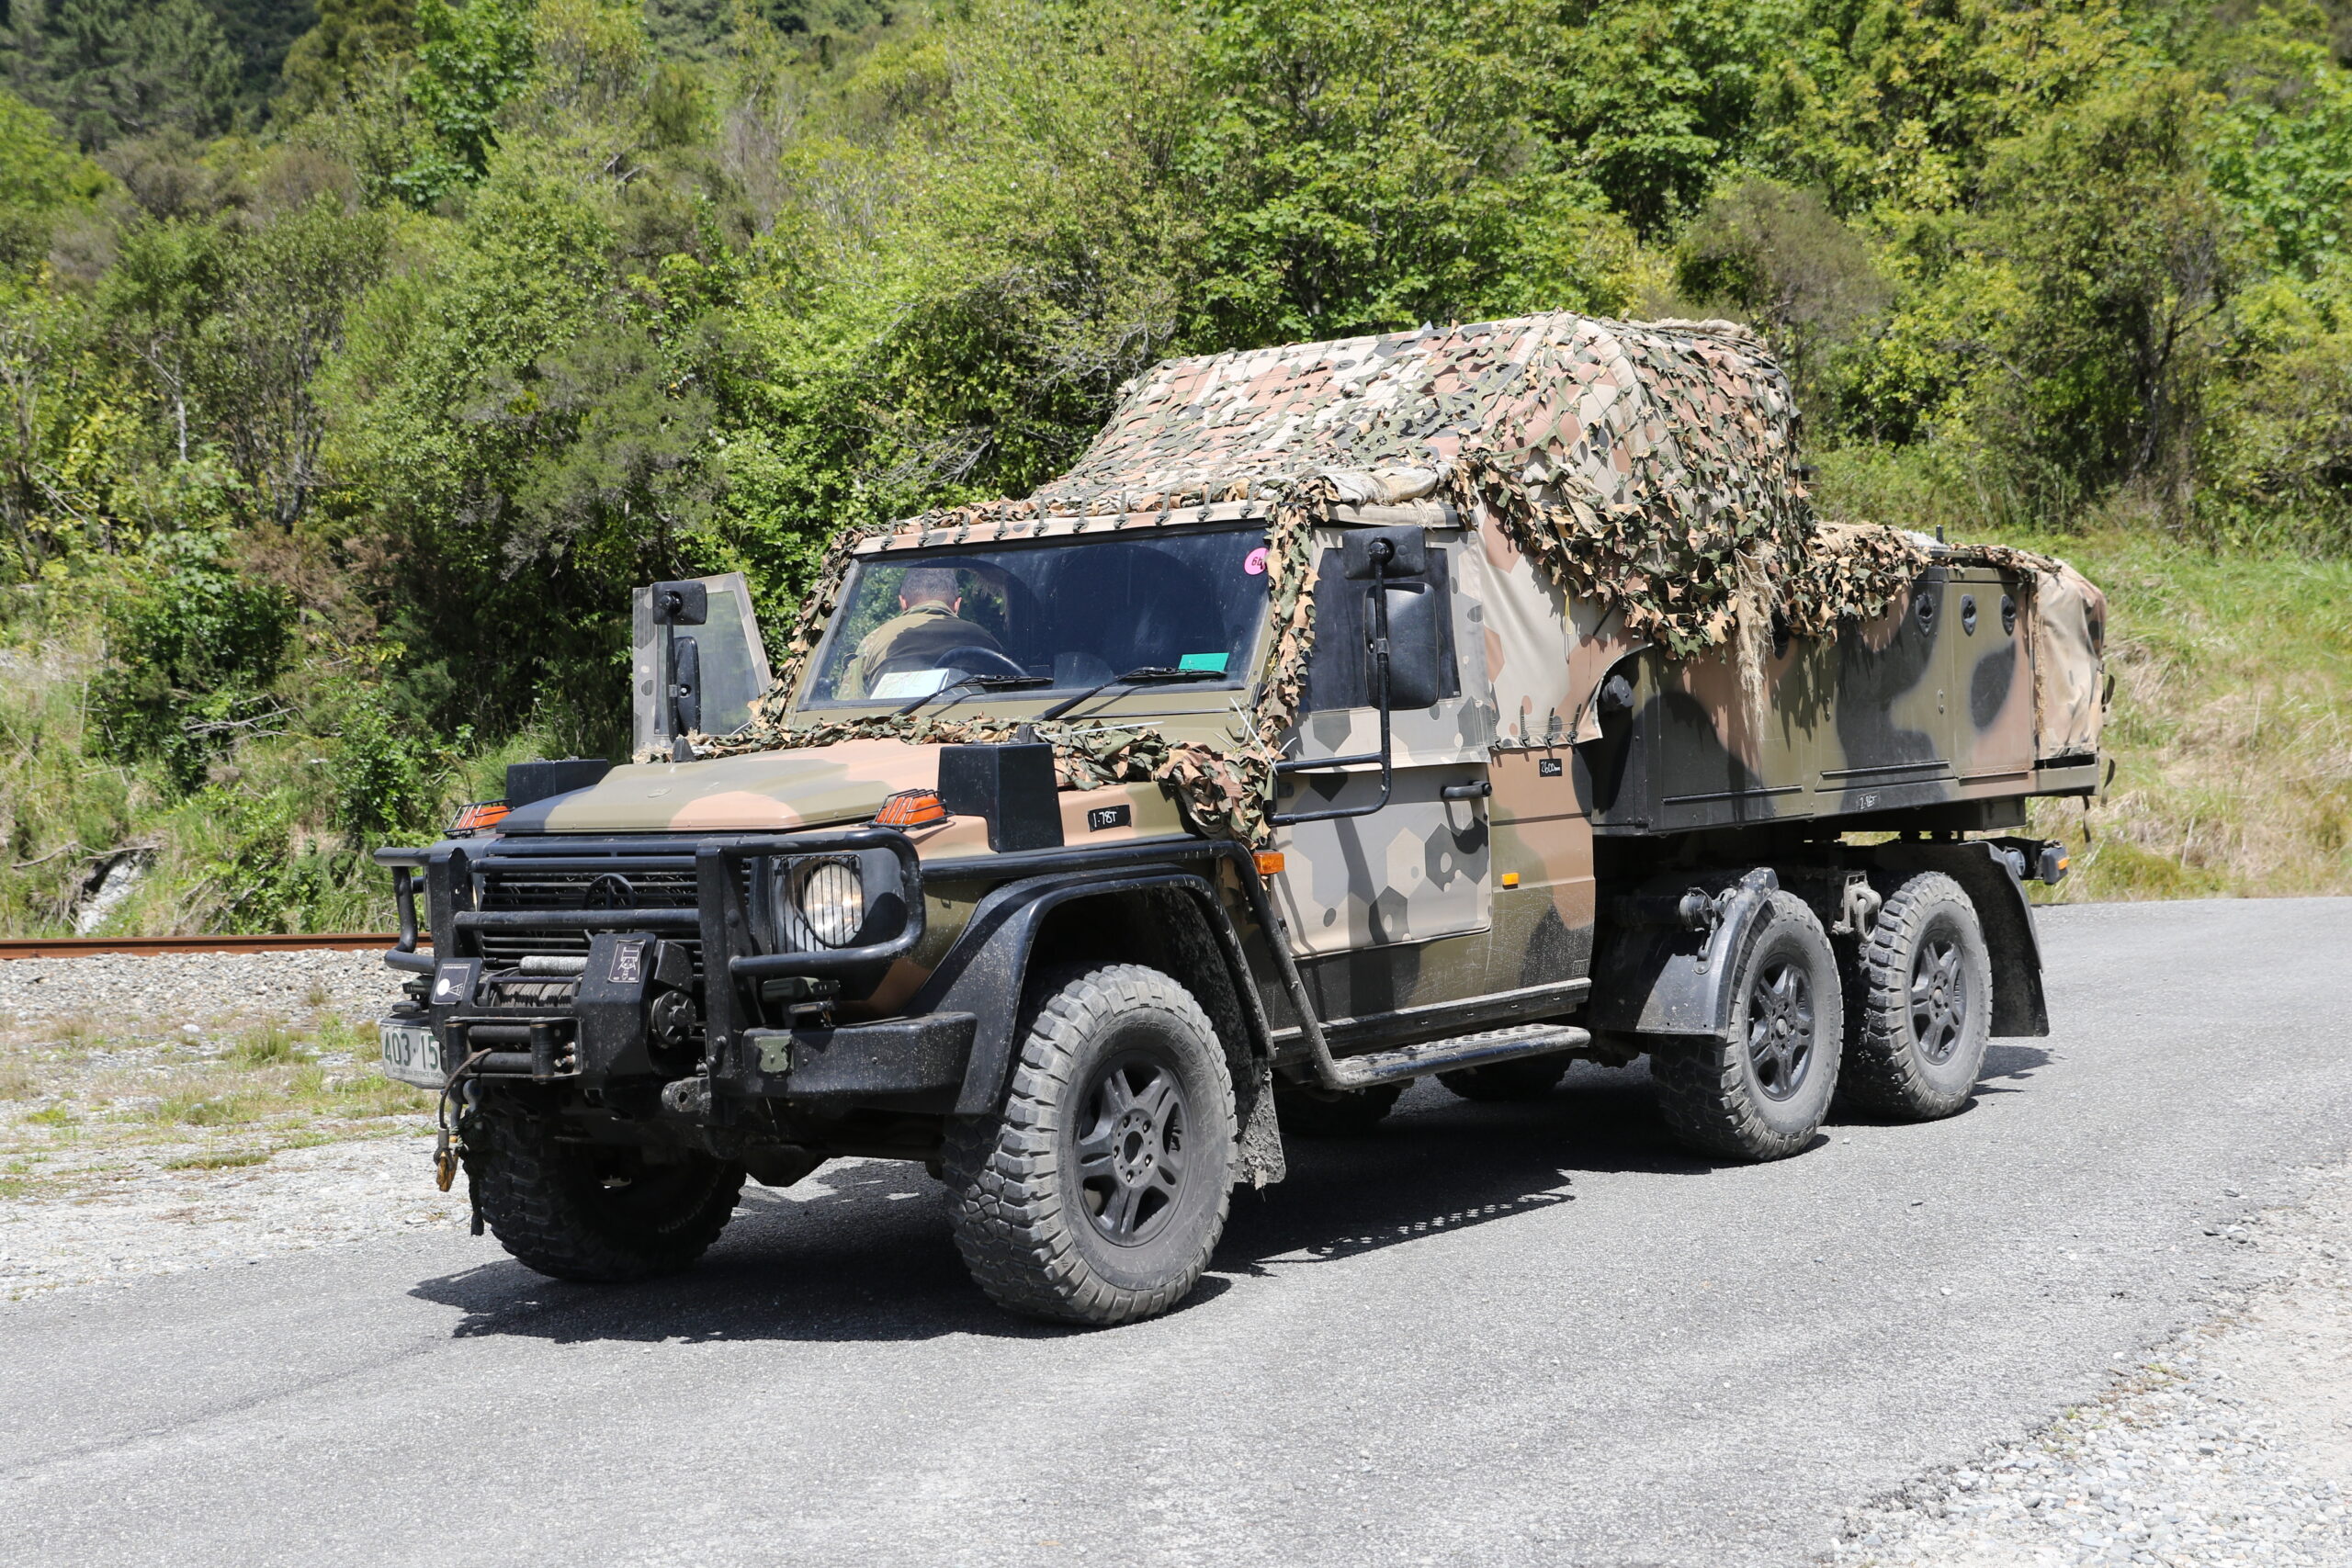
pixel 1418 868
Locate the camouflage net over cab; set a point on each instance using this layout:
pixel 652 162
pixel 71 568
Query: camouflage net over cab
pixel 1225 789
pixel 1649 467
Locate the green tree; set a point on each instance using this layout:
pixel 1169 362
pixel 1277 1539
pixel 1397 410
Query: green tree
pixel 286 284
pixel 2122 253
pixel 1360 168
pixel 470 62
pixel 111 69
pixel 350 42
pixel 1652 98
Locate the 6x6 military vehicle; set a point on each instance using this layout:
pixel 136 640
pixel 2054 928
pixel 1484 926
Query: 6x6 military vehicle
pixel 1464 701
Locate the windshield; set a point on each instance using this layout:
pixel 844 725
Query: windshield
pixel 1073 613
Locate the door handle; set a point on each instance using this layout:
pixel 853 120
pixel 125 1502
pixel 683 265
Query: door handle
pixel 1477 790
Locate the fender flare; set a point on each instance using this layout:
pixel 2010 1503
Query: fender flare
pixel 987 970
pixel 1653 975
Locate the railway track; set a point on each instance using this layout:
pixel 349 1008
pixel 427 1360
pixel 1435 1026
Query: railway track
pixel 92 946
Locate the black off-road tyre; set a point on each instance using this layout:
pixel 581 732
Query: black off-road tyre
pixel 1918 1003
pixel 1099 1193
pixel 1317 1113
pixel 593 1212
pixel 1762 1090
pixel 1504 1083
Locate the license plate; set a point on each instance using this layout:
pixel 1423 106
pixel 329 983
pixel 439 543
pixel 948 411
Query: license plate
pixel 412 1055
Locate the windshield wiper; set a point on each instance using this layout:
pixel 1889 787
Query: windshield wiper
pixel 1150 674
pixel 985 682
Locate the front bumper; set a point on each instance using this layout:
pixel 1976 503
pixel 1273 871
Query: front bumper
pixel 614 993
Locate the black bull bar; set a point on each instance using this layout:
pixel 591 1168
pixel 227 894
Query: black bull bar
pixel 724 926
pixel 720 917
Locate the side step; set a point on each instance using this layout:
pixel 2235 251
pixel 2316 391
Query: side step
pixel 1462 1050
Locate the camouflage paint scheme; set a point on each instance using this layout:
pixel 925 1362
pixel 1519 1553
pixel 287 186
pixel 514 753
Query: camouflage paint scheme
pixel 1672 428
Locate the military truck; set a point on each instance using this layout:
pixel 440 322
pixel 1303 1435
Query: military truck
pixel 1465 701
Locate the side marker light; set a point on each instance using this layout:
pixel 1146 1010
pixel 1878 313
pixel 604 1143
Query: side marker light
pixel 911 809
pixel 479 815
pixel 1510 879
pixel 1270 862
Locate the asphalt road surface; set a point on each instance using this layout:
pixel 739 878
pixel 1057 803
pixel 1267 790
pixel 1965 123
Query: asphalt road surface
pixel 1528 1335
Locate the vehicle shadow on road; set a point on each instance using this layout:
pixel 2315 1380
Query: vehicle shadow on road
pixel 862 1251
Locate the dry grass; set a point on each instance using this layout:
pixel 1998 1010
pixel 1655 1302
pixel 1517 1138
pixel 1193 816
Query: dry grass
pixel 104 1107
pixel 2232 728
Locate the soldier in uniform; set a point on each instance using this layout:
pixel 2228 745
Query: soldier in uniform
pixel 929 623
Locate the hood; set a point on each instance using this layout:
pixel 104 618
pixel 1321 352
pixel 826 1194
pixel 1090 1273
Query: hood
pixel 763 792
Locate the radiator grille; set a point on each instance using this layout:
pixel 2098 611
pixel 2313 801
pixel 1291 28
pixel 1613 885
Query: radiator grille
pixel 519 890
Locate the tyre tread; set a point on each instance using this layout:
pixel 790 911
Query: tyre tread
pixel 1009 1218
pixel 1701 1081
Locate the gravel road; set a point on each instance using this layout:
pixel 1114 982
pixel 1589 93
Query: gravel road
pixel 1484 1336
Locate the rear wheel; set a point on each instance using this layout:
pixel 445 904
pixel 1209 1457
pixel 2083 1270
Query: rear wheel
pixel 1528 1078
pixel 1762 1090
pixel 1327 1113
pixel 1099 1193
pixel 589 1212
pixel 1919 995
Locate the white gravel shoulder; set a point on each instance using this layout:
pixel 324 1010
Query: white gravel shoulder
pixel 2231 1446
pixel 167 988
pixel 335 1194
pixel 139 1207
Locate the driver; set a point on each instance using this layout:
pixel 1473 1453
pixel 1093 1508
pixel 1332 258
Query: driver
pixel 929 623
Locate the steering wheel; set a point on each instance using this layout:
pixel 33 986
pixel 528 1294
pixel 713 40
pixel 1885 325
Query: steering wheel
pixel 969 659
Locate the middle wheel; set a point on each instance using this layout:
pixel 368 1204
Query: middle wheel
pixel 1762 1089
pixel 1099 1193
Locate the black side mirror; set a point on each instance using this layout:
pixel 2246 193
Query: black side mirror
pixel 681 603
pixel 1416 676
pixel 686 684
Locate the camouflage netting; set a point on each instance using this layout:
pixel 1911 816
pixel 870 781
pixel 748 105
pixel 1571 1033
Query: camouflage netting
pixel 1646 467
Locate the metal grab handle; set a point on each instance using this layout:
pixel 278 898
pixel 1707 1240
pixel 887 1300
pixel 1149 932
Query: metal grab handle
pixel 1478 790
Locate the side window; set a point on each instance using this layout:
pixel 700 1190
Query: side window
pixel 1339 669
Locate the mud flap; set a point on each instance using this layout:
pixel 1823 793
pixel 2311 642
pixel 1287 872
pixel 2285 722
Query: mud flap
pixel 1668 963
pixel 1258 1153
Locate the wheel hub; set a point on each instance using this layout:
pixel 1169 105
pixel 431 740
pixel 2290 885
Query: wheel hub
pixel 1779 1028
pixel 1130 1148
pixel 1938 998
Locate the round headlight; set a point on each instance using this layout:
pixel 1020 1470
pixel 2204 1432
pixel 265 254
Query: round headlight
pixel 833 901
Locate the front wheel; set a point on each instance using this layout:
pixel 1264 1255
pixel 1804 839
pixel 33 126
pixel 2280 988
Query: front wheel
pixel 1762 1089
pixel 1099 1193
pixel 593 1212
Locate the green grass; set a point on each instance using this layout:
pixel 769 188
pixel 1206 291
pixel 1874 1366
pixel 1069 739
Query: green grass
pixel 271 1045
pixel 230 1160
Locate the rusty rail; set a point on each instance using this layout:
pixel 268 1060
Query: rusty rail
pixel 93 947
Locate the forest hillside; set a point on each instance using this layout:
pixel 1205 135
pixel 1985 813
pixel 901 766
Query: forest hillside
pixel 359 356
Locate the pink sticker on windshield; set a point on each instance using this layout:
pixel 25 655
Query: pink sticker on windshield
pixel 1254 563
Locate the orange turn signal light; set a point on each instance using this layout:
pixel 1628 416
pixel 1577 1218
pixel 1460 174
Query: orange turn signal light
pixel 1510 879
pixel 911 809
pixel 1270 862
pixel 480 814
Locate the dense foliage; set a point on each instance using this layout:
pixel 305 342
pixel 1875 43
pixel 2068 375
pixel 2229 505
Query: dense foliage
pixel 359 355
